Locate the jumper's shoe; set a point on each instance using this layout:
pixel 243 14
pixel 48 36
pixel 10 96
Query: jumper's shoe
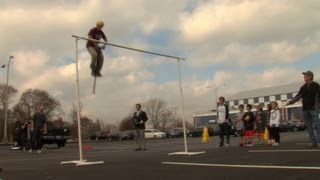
pixel 227 145
pixel 98 74
pixel 249 145
pixel 275 144
pixel 138 149
pixel 39 151
pixel 30 151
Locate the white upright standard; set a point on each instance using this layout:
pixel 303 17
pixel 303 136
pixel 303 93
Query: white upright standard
pixel 81 161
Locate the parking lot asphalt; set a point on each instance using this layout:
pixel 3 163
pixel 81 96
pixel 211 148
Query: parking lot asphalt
pixel 291 160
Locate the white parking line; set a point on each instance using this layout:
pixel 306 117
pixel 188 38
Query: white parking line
pixel 279 150
pixel 242 166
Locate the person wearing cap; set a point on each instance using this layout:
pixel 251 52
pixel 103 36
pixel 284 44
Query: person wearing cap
pixel 94 48
pixel 309 93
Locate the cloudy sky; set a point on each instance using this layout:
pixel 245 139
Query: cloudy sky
pixel 246 44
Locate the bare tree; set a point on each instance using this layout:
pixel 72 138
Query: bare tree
pixel 126 123
pixel 158 112
pixel 32 99
pixel 12 91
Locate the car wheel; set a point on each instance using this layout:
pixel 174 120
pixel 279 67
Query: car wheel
pixel 294 129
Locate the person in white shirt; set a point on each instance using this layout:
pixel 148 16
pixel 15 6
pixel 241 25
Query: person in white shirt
pixel 223 121
pixel 275 117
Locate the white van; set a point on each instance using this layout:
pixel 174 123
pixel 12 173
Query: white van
pixel 154 133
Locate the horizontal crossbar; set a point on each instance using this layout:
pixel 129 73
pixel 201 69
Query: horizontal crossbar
pixel 129 48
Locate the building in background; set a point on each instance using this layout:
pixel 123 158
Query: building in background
pixel 256 97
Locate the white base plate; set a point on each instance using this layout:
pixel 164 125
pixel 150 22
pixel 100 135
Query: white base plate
pixel 187 153
pixel 82 163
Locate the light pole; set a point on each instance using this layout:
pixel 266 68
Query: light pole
pixel 5 138
pixel 216 92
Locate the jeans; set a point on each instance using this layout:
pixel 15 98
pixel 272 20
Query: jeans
pixel 36 139
pixel 312 123
pixel 224 130
pixel 96 58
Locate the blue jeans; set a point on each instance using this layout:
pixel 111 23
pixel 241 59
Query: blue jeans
pixel 312 123
pixel 36 139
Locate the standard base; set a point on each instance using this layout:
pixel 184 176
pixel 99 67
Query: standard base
pixel 82 163
pixel 187 153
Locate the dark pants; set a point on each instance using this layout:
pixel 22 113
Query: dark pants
pixel 274 133
pixel 36 139
pixel 224 130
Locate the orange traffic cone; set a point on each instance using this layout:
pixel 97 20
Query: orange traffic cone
pixel 205 135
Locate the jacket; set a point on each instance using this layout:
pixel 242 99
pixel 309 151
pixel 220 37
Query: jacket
pixel 139 120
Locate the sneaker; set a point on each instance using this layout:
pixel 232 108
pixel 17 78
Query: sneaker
pixel 275 144
pixel 39 151
pixel 227 145
pixel 249 145
pixel 30 151
pixel 138 149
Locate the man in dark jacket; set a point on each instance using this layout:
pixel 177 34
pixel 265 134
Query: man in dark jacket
pixel 139 119
pixel 309 93
pixel 38 128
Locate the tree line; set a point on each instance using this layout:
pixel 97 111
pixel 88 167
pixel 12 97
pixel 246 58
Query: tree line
pixel 160 114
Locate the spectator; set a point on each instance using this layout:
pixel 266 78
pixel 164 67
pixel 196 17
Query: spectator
pixel 239 124
pixel 275 117
pixel 139 119
pixel 260 124
pixel 223 121
pixel 248 119
pixel 310 95
pixel 38 128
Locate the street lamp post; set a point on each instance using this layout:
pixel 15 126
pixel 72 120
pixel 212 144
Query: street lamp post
pixel 5 137
pixel 216 92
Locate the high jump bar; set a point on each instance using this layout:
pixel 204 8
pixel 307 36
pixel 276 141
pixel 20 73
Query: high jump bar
pixel 129 48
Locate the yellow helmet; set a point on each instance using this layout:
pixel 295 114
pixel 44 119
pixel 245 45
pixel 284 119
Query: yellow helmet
pixel 100 23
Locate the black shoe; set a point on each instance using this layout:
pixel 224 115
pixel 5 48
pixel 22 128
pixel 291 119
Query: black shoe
pixel 138 149
pixel 144 149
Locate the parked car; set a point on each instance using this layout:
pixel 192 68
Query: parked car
pixel 154 133
pixel 173 133
pixel 289 126
pixel 99 136
pixel 118 136
pixel 197 132
pixel 131 133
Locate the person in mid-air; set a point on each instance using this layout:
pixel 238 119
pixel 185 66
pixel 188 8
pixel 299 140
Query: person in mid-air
pixel 94 48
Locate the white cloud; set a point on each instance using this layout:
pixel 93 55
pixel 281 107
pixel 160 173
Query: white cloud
pixel 250 32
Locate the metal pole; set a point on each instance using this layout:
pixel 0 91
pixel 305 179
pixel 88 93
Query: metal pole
pixel 129 48
pixel 182 105
pixel 78 103
pixel 5 137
